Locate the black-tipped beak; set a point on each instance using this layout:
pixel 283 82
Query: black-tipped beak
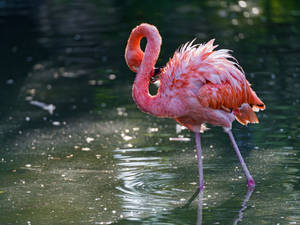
pixel 156 73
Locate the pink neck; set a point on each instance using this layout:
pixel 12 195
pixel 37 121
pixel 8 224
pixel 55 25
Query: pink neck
pixel 140 91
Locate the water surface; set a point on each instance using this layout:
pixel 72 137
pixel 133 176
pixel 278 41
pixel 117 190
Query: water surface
pixel 76 150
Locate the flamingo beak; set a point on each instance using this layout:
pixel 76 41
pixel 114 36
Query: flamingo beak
pixel 155 74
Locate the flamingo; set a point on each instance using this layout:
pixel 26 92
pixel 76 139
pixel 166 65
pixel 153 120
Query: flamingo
pixel 198 85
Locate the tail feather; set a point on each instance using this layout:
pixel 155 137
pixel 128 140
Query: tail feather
pixel 255 102
pixel 246 115
pixel 246 112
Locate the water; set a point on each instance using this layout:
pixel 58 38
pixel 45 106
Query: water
pixel 76 150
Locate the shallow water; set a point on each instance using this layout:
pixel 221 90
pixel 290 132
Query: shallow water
pixel 76 150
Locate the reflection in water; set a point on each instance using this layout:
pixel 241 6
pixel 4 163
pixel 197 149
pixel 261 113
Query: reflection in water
pixel 147 192
pixel 244 206
pixel 61 167
pixel 200 205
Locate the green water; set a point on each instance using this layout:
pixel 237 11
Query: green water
pixel 89 156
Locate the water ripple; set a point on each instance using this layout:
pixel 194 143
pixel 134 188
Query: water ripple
pixel 143 178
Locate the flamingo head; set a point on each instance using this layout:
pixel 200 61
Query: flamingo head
pixel 134 54
pixel 134 58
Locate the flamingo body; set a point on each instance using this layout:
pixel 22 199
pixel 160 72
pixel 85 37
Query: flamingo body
pixel 198 85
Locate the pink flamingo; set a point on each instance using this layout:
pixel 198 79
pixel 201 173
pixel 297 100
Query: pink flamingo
pixel 198 85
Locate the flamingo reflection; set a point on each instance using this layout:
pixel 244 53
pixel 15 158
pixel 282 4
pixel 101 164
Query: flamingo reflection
pixel 200 205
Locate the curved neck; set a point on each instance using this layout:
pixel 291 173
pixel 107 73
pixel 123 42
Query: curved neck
pixel 140 91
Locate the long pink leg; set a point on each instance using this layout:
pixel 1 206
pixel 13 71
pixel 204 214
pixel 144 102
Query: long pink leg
pixel 250 180
pixel 199 159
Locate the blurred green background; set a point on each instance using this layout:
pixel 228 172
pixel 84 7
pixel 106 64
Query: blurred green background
pixel 76 150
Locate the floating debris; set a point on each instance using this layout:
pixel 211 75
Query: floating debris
pixel 122 111
pixel 68 74
pixel 179 128
pixel 129 145
pixel 50 108
pixel 126 138
pixel 179 139
pixel 95 82
pixel 136 129
pixel 56 123
pixel 152 129
pixel 242 4
pixel 255 11
pixel 69 156
pixel 31 91
pixel 89 139
pixel 112 76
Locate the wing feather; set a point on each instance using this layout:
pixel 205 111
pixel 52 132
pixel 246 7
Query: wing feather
pixel 213 75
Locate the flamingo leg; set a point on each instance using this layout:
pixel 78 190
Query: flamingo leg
pixel 199 159
pixel 250 180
